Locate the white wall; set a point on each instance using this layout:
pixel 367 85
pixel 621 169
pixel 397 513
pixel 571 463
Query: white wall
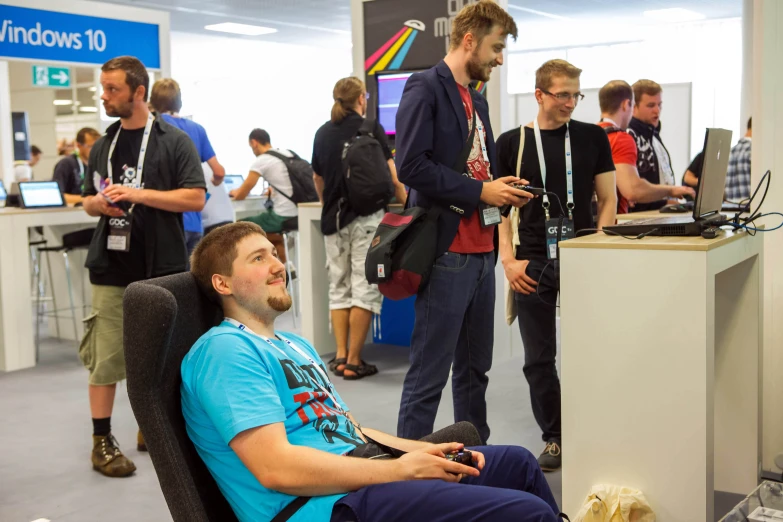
pixel 706 54
pixel 231 86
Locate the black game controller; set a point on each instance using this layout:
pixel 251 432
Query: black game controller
pixel 462 457
pixel 536 191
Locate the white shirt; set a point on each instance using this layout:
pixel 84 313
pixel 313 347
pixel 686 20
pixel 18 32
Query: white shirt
pixel 218 208
pixel 665 171
pixel 23 171
pixel 274 171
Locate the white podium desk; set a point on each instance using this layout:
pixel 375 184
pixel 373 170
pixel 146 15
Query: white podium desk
pixel 17 336
pixel 661 360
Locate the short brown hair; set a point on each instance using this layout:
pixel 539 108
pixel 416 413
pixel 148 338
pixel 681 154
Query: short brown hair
pixel 216 252
pixel 613 94
pixel 81 136
pixel 135 72
pixel 479 19
pixel 648 87
pixel 552 68
pixel 166 96
pixel 346 93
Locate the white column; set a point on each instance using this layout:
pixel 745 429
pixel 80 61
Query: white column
pixel 768 154
pixel 357 37
pixel 746 93
pixel 6 130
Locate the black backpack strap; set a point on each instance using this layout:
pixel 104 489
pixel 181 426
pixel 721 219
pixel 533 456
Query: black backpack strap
pixel 285 159
pixel 462 159
pixel 291 509
pixel 367 128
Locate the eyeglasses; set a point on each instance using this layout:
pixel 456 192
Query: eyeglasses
pixel 563 97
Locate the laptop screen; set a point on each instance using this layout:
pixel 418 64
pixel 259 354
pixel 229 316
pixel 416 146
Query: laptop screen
pixel 709 199
pixel 3 193
pixel 40 194
pixel 232 182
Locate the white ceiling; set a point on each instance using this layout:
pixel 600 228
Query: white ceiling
pixel 328 22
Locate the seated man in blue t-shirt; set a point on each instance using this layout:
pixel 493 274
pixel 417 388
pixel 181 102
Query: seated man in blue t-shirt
pixel 268 423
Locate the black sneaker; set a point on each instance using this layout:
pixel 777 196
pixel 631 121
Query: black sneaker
pixel 551 458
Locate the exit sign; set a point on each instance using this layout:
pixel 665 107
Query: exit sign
pixel 51 76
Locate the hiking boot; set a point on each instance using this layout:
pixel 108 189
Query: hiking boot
pixel 108 459
pixel 140 444
pixel 551 458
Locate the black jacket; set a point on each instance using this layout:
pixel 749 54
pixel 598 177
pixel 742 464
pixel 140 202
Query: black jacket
pixel 647 161
pixel 172 162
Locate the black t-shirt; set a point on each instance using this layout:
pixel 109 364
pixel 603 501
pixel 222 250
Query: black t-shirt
pixel 697 164
pixel 126 267
pixel 592 155
pixel 68 175
pixel 327 163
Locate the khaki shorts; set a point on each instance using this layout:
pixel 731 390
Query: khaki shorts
pixel 101 348
pixel 345 254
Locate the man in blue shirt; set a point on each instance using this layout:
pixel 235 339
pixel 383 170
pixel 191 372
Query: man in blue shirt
pixel 166 99
pixel 267 421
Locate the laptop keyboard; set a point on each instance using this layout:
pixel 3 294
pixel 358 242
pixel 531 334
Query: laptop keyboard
pixel 657 221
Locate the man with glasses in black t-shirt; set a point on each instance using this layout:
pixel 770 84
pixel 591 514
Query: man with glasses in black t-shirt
pixel 576 158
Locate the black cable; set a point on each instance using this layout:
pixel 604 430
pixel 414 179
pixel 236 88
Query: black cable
pixel 613 233
pixel 754 215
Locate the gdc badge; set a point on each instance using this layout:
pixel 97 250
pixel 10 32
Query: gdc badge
pixel 566 232
pixel 119 233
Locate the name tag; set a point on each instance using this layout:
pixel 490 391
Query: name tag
pixel 488 215
pixel 566 232
pixel 120 233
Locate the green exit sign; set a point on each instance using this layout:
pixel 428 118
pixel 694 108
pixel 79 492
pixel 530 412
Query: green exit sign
pixel 51 76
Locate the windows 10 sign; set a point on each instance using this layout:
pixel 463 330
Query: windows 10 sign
pixel 34 34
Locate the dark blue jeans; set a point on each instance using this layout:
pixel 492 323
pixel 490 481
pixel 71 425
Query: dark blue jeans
pixel 454 324
pixel 511 487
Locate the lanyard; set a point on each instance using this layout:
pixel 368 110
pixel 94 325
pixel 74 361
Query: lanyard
pixel 480 130
pixel 81 167
pixel 142 152
pixel 569 169
pixel 329 392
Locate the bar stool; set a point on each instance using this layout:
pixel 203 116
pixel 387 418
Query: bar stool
pixel 290 232
pixel 71 241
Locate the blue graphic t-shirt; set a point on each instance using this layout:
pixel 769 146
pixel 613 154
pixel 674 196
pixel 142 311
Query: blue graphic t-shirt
pixel 191 221
pixel 233 380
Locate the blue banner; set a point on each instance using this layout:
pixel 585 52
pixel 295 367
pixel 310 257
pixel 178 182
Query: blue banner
pixel 35 34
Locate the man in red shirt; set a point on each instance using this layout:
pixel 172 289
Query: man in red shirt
pixel 616 101
pixel 454 325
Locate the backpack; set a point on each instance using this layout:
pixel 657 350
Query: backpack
pixel 301 174
pixel 366 175
pixel 402 252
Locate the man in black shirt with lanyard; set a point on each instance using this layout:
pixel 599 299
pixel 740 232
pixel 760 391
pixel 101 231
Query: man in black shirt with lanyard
pixel 69 171
pixel 142 175
pixel 570 159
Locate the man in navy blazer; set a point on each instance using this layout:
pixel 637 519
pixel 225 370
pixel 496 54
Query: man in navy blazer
pixel 454 312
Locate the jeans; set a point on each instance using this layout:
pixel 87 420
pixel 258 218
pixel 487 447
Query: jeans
pixel 537 325
pixel 454 324
pixel 511 487
pixel 191 240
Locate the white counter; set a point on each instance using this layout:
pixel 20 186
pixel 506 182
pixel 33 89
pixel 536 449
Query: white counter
pixel 17 335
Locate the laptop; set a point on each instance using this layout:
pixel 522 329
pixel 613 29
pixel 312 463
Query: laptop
pixel 709 198
pixel 233 181
pixel 3 194
pixel 40 194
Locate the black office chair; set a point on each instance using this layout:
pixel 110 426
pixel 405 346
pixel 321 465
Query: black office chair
pixel 163 318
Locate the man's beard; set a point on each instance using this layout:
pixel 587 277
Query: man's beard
pixel 280 304
pixel 477 70
pixel 122 111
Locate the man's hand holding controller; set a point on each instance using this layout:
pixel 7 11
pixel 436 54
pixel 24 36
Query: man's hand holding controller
pixel 505 191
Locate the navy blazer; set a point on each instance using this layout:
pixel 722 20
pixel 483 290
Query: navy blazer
pixel 432 128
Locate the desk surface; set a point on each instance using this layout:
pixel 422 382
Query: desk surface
pixel 695 243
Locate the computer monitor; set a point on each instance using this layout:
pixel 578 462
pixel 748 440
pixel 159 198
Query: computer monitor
pixel 40 194
pixel 232 181
pixel 390 87
pixel 712 184
pixel 3 194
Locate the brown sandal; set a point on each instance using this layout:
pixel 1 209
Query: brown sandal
pixel 334 363
pixel 361 371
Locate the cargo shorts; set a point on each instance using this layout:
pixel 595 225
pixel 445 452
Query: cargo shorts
pixel 101 349
pixel 346 252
